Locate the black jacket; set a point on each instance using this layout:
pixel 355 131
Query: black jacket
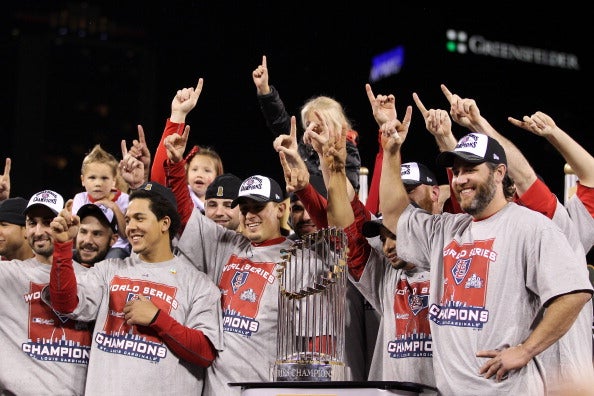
pixel 279 122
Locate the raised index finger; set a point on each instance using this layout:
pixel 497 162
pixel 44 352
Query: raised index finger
pixel 198 88
pixel 370 94
pixel 264 61
pixel 7 167
pixel 124 148
pixel 419 104
pixel 293 132
pixel 446 92
pixel 141 138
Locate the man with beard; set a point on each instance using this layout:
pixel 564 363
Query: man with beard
pixel 97 232
pixel 495 254
pixel 41 351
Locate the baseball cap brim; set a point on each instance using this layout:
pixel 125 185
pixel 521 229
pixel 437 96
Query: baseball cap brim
pixel 39 205
pixel 95 211
pixel 447 158
pixel 243 198
pixel 411 183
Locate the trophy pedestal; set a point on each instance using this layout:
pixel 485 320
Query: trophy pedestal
pixel 319 370
pixel 337 388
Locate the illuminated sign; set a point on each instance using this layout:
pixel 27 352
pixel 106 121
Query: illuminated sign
pixel 386 64
pixel 462 43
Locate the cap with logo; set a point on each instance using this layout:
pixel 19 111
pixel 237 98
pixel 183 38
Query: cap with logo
pixel 259 188
pixel 48 198
pixel 475 148
pixel 415 174
pixel 101 212
pixel 11 210
pixel 161 190
pixel 225 186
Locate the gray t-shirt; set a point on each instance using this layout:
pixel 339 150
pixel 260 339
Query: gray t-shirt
pixel 128 357
pixel 583 220
pixel 478 270
pixel 404 345
pixel 246 276
pixel 42 353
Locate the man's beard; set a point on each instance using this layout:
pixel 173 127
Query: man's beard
pixel 485 192
pixel 46 251
pixel 99 256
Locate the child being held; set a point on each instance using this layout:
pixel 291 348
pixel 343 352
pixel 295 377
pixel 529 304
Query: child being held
pixel 99 175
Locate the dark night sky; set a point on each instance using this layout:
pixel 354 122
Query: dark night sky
pixel 63 94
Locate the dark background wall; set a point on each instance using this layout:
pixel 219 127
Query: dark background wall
pixel 79 73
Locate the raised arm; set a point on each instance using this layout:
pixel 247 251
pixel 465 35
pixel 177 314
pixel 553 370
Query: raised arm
pixel 297 176
pixel 439 124
pixel 383 108
pixel 183 102
pixel 272 107
pixel 333 159
pixel 62 285
pixel 393 196
pixel 139 150
pixel 131 168
pixel 294 168
pixel 175 146
pixel 580 160
pixel 466 113
pixel 343 212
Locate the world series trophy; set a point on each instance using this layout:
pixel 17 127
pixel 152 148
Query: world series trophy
pixel 311 320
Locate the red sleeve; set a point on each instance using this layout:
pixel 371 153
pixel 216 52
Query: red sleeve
pixel 372 202
pixel 539 198
pixel 315 204
pixel 62 284
pixel 189 344
pixel 176 180
pixel 360 212
pixel 586 195
pixel 359 250
pixel 158 169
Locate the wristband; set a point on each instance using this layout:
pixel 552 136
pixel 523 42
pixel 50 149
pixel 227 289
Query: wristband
pixel 154 317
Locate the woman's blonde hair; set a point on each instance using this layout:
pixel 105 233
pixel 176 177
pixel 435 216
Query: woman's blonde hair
pixel 329 109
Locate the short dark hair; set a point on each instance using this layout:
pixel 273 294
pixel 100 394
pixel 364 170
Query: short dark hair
pixel 161 207
pixel 509 186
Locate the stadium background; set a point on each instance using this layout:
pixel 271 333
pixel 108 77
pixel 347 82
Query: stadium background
pixel 79 73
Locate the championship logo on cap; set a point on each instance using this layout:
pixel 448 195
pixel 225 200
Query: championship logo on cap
pixel 415 174
pixel 48 198
pixel 475 148
pixel 259 188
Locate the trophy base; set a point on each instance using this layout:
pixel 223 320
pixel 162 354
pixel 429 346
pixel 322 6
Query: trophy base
pixel 308 371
